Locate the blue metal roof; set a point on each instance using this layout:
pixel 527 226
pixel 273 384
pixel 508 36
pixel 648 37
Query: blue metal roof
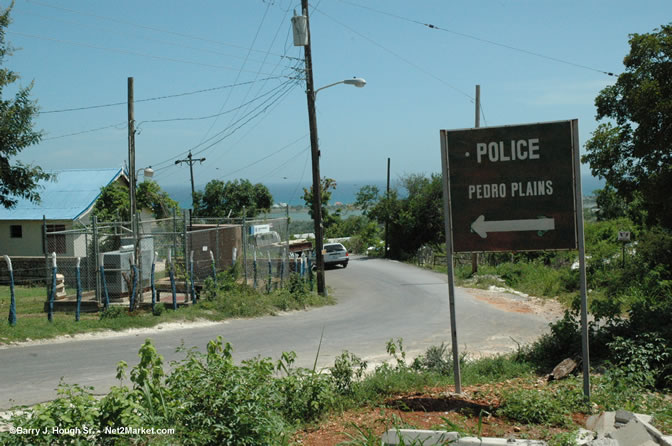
pixel 70 195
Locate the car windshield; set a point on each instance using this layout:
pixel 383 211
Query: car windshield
pixel 334 248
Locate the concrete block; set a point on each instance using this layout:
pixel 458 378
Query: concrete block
pixel 632 434
pixel 395 437
pixel 584 437
pixel 643 418
pixel 425 437
pixel 591 422
pixel 624 416
pixel 666 440
pixel 653 432
pixel 603 442
pixel 605 424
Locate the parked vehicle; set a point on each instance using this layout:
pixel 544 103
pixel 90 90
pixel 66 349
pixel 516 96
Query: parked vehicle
pixel 335 254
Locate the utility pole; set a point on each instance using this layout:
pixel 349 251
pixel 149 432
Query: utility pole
pixel 477 124
pixel 387 217
pixel 131 155
pixel 315 155
pixel 191 162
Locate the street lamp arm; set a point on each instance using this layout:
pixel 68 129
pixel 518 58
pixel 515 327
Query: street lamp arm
pixel 356 81
pixel 327 86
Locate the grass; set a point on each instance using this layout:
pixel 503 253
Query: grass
pixel 235 301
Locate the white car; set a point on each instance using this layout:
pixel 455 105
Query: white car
pixel 335 254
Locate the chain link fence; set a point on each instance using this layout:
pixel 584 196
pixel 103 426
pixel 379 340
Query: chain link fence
pixel 105 257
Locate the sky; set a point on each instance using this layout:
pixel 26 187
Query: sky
pixel 222 78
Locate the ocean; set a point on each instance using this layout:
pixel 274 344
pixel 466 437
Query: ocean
pixel 344 193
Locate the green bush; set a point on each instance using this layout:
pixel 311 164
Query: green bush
pixel 113 312
pixel 348 369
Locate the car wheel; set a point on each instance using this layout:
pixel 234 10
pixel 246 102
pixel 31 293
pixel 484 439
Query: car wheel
pixel 345 264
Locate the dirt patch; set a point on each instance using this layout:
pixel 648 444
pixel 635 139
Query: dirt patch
pixel 436 408
pixel 506 300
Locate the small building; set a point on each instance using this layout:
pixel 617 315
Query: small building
pixel 66 202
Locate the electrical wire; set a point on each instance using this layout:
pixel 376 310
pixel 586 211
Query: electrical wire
pixel 157 98
pixel 198 118
pixel 480 39
pixel 123 51
pixel 254 163
pixel 298 184
pixel 397 55
pixel 280 166
pixel 150 28
pixel 280 92
pixel 85 131
pixel 172 44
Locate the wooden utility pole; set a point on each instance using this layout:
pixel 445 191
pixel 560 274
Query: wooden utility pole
pixel 131 155
pixel 387 217
pixel 315 155
pixel 191 163
pixel 477 124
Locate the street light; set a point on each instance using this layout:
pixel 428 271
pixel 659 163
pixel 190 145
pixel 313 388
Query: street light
pixel 356 81
pixel 301 28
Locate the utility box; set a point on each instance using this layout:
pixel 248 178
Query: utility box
pixel 300 30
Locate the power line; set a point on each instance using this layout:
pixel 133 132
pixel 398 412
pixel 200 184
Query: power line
pixel 403 59
pixel 254 163
pixel 198 118
pixel 279 92
pixel 86 131
pixel 480 39
pixel 150 28
pixel 249 50
pixel 123 51
pixel 143 38
pixel 157 98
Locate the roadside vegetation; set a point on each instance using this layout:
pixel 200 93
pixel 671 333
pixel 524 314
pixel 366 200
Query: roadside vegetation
pixel 208 399
pixel 228 299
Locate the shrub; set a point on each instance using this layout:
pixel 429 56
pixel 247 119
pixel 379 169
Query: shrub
pixel 347 370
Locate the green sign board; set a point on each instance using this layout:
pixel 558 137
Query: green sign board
pixel 511 188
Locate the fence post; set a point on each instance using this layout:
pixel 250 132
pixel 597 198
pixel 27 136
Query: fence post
pixel 214 268
pixel 191 276
pixel 244 247
pixel 138 259
pixel 46 255
pixel 310 273
pixel 78 275
pixel 174 231
pixel 104 282
pixel 12 302
pixel 270 273
pixel 151 280
pixel 282 267
pixel 52 295
pixel 131 301
pixel 97 260
pixel 186 250
pixel 171 273
pixel 254 270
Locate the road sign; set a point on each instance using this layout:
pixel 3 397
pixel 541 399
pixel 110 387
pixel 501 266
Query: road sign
pixel 623 236
pixel 511 188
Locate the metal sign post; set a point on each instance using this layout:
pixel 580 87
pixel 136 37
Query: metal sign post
pixel 513 188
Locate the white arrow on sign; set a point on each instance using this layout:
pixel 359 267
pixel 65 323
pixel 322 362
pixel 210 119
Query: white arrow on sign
pixel 482 227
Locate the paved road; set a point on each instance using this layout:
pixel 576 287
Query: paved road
pixel 377 300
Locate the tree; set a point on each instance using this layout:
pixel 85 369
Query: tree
pixel 633 152
pixel 220 199
pixel 366 198
pixel 114 202
pixel 415 220
pixel 17 180
pixel 326 184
